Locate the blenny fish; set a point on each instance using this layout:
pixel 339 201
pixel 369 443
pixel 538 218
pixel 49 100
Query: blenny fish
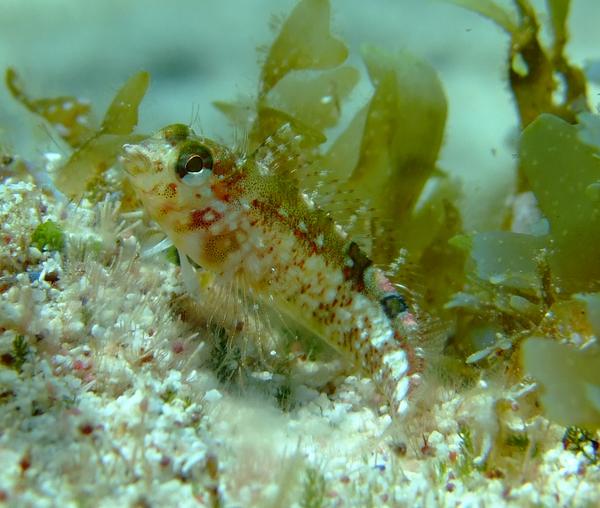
pixel 242 218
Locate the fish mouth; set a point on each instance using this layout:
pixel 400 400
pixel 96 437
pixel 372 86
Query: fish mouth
pixel 136 160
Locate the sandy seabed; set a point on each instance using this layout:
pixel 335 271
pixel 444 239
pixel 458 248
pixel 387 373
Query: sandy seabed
pixel 111 401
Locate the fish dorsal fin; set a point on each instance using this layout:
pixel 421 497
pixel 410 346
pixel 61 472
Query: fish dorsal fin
pixel 289 146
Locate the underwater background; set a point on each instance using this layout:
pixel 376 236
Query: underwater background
pixel 201 51
pixel 111 394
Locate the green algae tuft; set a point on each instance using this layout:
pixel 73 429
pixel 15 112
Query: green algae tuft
pixel 48 235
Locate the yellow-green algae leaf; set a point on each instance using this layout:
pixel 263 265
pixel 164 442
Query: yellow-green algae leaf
pixel 508 259
pixel 592 302
pixel 292 91
pixel 559 12
pixel 570 380
pixel 314 97
pixel 101 150
pixel 70 116
pixel 396 148
pixel 304 42
pixel 431 228
pixel 531 71
pixel 559 169
pixel 122 115
pixel 505 294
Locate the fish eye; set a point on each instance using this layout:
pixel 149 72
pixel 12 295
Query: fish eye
pixel 194 159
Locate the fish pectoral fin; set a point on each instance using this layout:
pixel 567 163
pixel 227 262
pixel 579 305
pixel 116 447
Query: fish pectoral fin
pixel 190 277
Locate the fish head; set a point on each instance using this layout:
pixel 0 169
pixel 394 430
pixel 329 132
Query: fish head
pixel 194 189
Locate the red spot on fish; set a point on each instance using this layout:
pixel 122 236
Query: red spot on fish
pixel 204 218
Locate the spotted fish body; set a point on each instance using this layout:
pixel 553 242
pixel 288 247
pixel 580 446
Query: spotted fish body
pixel 244 219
